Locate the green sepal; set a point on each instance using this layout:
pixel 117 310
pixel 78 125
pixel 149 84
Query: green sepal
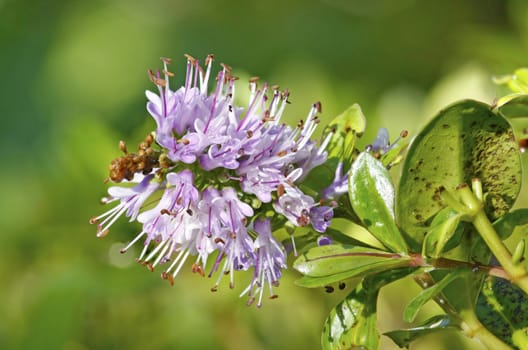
pixel 345 129
pixel 395 154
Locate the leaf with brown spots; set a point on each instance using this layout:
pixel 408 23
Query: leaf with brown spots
pixel 464 141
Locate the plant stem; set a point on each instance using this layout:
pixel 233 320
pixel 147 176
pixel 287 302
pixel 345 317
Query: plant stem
pixel 469 323
pixel 472 328
pixel 517 273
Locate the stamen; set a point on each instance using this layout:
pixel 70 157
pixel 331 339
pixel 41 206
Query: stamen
pixel 294 246
pixel 125 249
pixel 168 277
pixel 143 251
pixel 157 249
pixel 166 72
pixel 102 234
pixel 183 259
pixel 198 269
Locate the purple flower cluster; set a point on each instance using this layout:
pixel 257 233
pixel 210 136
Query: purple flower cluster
pixel 222 169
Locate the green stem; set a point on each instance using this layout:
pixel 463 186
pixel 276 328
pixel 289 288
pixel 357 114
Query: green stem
pixel 472 328
pixel 469 323
pixel 517 273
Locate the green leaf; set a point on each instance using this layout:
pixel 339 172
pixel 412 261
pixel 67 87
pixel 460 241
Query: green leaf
pixel 345 129
pixel 464 141
pixel 507 224
pixel 514 106
pixel 503 308
pixel 517 82
pixel 372 197
pixel 352 323
pixel 444 227
pixel 403 337
pixel 411 310
pixel 333 263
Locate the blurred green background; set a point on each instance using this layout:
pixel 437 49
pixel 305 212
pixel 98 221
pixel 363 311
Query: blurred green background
pixel 72 86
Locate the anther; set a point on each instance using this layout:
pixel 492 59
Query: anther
pixel 209 58
pixel 190 58
pixel 198 269
pixel 167 276
pixel 319 107
pixel 219 240
pixel 226 67
pixel 122 146
pixel 184 141
pixel 274 296
pixel 404 134
pixel 102 234
pixel 93 220
pixel 214 289
pixel 165 212
pixel 300 124
pixel 149 266
pixel 160 82
pixel 170 74
pixel 166 60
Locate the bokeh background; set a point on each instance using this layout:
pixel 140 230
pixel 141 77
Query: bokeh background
pixel 73 75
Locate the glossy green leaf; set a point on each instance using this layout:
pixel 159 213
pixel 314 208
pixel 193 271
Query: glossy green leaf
pixel 403 337
pixel 327 264
pixel 414 306
pixel 352 323
pixel 503 308
pixel 464 141
pixel 372 197
pixel 444 228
